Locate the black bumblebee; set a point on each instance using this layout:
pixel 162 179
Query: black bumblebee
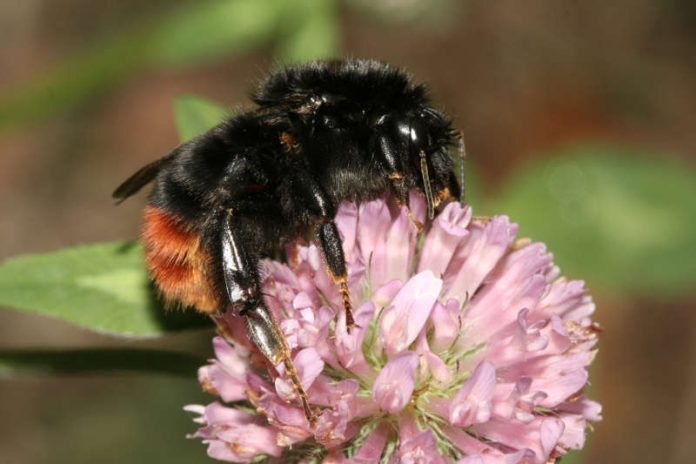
pixel 320 133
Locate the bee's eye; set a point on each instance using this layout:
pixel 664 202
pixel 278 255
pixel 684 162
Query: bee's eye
pixel 417 135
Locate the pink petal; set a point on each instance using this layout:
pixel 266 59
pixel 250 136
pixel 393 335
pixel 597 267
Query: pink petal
pixel 474 459
pixel 374 220
pixel 476 450
pixel 392 260
pixel 520 402
pixel 371 450
pixel 560 377
pixel 519 283
pixel 421 448
pixel 521 436
pixel 227 374
pixel 432 364
pixel 485 247
pixel 383 295
pixel 309 365
pixel 573 433
pixel 550 431
pixel 525 456
pixel 246 442
pixel 570 301
pixel 395 383
pixel 349 344
pixel 447 324
pixel 215 414
pixel 233 435
pixel 590 410
pixel 448 231
pixel 403 320
pixel 288 419
pixel 575 416
pixel 232 357
pixel 332 426
pixel 472 404
pixel 347 222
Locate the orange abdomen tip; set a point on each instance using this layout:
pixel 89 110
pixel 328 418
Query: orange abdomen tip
pixel 177 262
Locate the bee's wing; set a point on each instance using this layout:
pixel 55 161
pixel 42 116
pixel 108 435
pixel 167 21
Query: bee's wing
pixel 141 178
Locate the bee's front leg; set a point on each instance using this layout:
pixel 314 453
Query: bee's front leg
pixel 315 203
pixel 244 292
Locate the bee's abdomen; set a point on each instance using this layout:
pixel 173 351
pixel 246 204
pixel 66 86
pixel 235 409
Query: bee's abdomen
pixel 177 262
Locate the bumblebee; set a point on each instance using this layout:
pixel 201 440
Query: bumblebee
pixel 319 134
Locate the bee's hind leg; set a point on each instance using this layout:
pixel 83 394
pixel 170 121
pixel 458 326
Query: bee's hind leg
pixel 244 292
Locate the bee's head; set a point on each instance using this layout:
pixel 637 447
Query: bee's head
pixel 418 144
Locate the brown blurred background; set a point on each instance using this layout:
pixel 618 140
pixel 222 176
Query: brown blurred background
pixel 86 98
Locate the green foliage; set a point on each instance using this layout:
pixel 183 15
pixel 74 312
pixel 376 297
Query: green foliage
pixel 195 115
pixel 102 287
pixel 193 34
pixel 618 218
pixel 309 36
pixel 203 31
pixel 98 360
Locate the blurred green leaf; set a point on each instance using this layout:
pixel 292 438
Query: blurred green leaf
pixel 14 363
pixel 617 218
pixel 209 30
pixel 102 287
pixel 194 33
pixel 312 31
pixel 573 457
pixel 195 115
pixel 76 80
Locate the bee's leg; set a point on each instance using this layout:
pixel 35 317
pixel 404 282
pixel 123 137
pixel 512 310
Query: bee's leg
pixel 388 154
pixel 319 205
pixel 244 292
pixel 332 248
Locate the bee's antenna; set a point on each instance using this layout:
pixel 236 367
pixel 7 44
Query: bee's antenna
pixel 462 160
pixel 426 185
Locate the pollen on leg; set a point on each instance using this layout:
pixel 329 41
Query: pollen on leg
pixel 342 282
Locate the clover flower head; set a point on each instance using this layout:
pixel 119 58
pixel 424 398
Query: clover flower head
pixel 470 347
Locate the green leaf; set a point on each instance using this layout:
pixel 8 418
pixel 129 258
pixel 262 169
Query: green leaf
pixel 209 30
pixel 615 217
pixel 102 287
pixel 312 31
pixel 14 363
pixel 195 115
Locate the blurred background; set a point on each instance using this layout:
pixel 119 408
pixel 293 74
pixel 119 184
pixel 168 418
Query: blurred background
pixel 580 123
